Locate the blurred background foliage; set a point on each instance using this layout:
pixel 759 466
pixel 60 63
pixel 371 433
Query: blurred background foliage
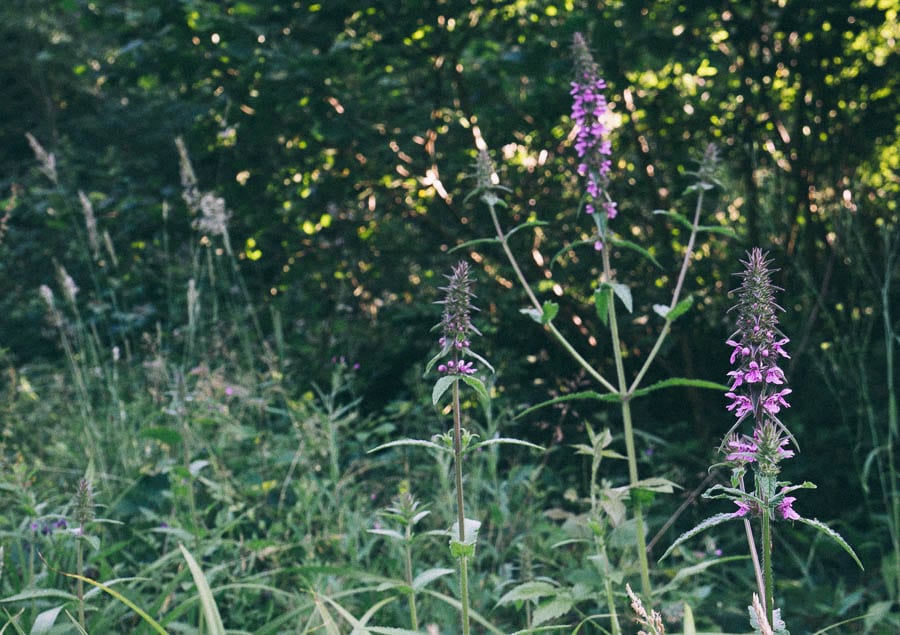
pixel 342 135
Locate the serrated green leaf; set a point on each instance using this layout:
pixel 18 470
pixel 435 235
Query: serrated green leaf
pixel 426 577
pixel 550 309
pixel 601 303
pixel 478 386
pixel 440 387
pixel 551 609
pixel 831 533
pixel 532 590
pixel 710 522
pixel 623 292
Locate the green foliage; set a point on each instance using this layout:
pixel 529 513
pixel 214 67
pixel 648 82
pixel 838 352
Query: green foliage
pixel 194 372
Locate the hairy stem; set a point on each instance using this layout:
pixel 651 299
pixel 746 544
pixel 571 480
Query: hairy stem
pixel 461 514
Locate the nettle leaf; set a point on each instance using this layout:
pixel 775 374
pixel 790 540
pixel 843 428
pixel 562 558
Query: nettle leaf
pixel 710 522
pixel 478 386
pixel 672 314
pixel 627 244
pixel 533 590
pixel 440 387
pixel 623 292
pixel 426 577
pixel 550 311
pixel 831 533
pixel 601 303
pixel 560 605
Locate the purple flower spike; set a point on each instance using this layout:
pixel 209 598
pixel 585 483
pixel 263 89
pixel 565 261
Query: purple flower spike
pixel 758 386
pixel 592 144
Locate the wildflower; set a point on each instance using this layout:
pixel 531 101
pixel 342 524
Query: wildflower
pixel 742 509
pixel 775 402
pixel 456 323
pixel 742 451
pixel 787 512
pixel 589 112
pixel 742 405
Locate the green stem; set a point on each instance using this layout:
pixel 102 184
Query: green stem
pixel 461 514
pixel 767 562
pixel 628 429
pixel 413 615
pixel 79 564
pixel 559 337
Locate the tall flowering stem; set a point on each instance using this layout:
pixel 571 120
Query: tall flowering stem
pixel 758 395
pixel 456 329
pixel 593 148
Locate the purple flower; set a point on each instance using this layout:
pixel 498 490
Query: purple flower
pixel 742 509
pixel 787 512
pixel 775 402
pixel 774 375
pixel 741 403
pixel 742 451
pixel 753 374
pixel 589 109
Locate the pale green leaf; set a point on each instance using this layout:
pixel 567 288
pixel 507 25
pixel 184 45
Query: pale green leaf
pixel 710 522
pixel 532 590
pixel 427 577
pixel 207 601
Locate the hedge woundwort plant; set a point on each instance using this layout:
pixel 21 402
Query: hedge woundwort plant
pixel 593 147
pixel 758 395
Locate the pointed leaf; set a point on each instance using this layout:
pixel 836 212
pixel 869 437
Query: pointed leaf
pixel 710 522
pixel 477 385
pixel 623 292
pixel 551 609
pixel 550 309
pixel 528 591
pixel 415 442
pixel 45 621
pixel 507 441
pixel 680 381
pixel 207 601
pixel 390 533
pixel 831 533
pixel 440 387
pixel 689 627
pixel 426 577
pixel 533 313
pixel 680 309
pixel 627 244
pixel 601 303
pixel 656 484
